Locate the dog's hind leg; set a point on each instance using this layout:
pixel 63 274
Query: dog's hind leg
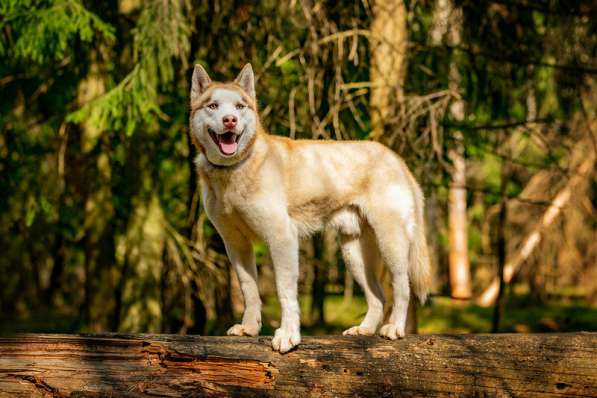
pixel 392 224
pixel 394 247
pixel 361 257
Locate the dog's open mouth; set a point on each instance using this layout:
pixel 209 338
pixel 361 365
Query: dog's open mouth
pixel 227 142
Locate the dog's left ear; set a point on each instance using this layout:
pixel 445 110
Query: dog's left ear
pixel 246 79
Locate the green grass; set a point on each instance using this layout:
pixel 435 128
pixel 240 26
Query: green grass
pixel 443 315
pixel 439 315
pixel 520 314
pixel 338 315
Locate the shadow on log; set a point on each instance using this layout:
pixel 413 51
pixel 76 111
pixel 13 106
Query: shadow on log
pixel 419 365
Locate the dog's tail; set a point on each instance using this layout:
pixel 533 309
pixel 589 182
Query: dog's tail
pixel 419 267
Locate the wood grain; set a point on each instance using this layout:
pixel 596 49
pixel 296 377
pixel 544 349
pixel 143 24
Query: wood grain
pixel 116 365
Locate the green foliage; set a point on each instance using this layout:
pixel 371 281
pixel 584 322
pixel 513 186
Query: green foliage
pixel 45 31
pixel 133 101
pixel 160 37
pixel 100 216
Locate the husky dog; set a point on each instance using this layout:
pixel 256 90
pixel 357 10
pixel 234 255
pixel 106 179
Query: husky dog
pixel 257 186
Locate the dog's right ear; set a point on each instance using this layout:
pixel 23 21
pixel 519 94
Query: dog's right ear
pixel 246 79
pixel 199 82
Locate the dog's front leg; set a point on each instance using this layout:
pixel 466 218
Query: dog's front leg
pixel 283 248
pixel 242 259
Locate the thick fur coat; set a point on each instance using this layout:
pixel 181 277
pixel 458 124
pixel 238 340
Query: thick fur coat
pixel 260 187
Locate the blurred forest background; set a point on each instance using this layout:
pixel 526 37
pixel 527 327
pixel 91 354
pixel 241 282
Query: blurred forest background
pixel 493 104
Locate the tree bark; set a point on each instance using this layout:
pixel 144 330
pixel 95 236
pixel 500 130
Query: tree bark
pixel 319 281
pixel 501 245
pixel 169 365
pixel 460 272
pixel 388 46
pixel 447 24
pixel 98 240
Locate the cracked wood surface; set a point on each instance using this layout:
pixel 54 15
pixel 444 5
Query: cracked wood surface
pixel 558 365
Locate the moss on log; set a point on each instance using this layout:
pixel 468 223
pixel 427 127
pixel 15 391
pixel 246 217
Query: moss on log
pixel 420 365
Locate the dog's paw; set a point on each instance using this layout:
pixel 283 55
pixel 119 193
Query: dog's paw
pixel 358 331
pixel 243 330
pixel 391 331
pixel 285 340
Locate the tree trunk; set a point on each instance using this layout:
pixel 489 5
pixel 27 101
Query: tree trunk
pixel 387 71
pixel 447 24
pixel 530 365
pixel 460 273
pixel 348 288
pixel 501 245
pixel 58 250
pixel 319 282
pixel 98 241
pixel 194 193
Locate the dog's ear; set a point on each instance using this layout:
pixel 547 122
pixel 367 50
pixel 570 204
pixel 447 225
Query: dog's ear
pixel 199 82
pixel 246 79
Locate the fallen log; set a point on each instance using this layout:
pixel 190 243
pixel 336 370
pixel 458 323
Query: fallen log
pixel 488 297
pixel 420 365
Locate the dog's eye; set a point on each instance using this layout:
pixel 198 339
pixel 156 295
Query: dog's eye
pixel 240 106
pixel 213 105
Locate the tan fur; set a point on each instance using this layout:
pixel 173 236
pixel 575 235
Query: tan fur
pixel 281 189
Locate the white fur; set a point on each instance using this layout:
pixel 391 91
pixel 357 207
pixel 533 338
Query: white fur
pixel 206 118
pixel 279 190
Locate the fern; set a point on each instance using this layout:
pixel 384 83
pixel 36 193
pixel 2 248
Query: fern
pixel 161 36
pixel 41 34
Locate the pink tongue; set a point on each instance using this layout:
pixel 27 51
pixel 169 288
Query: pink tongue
pixel 227 143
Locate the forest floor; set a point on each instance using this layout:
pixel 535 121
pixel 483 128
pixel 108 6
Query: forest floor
pixel 522 313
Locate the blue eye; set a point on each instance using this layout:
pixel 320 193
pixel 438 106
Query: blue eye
pixel 240 106
pixel 213 105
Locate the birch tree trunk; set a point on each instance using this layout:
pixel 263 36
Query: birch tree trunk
pixel 447 24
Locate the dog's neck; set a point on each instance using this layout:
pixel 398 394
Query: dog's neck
pixel 242 159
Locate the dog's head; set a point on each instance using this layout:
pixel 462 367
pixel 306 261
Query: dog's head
pixel 224 119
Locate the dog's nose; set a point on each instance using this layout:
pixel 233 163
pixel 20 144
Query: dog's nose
pixel 229 121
